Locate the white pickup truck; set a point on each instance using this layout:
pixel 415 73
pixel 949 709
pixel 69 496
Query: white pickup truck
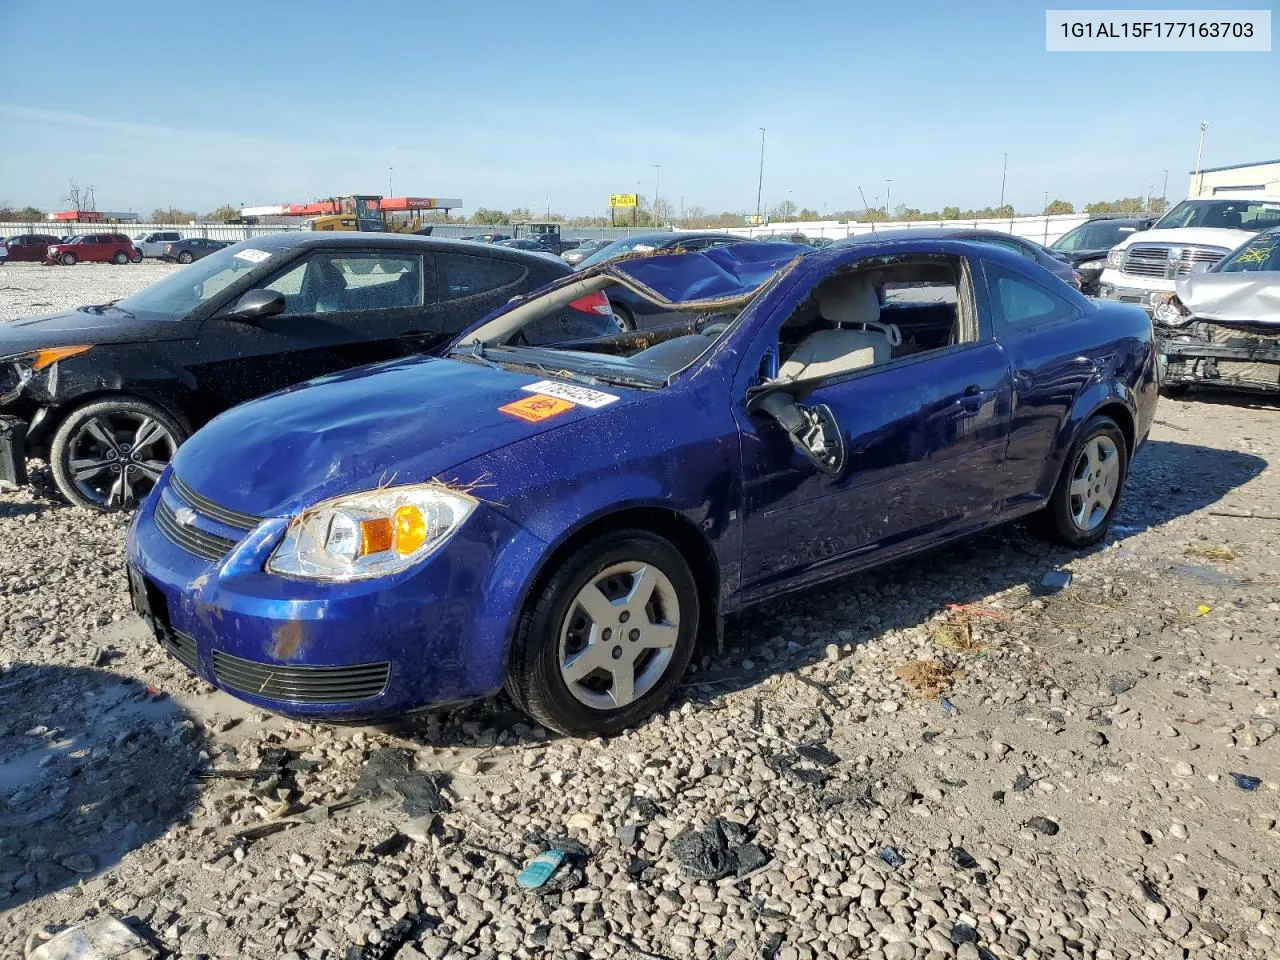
pixel 152 244
pixel 1191 237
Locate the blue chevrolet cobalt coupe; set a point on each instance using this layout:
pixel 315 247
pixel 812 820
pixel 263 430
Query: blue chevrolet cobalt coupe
pixel 572 521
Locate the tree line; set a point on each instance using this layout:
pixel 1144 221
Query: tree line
pixel 646 215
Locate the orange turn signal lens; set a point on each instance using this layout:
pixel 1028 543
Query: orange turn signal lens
pixel 411 529
pixel 44 358
pixel 375 535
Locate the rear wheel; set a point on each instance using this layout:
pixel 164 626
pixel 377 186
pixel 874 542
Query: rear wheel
pixel 607 639
pixel 121 258
pixel 185 256
pixel 622 318
pixel 1088 491
pixel 68 259
pixel 109 454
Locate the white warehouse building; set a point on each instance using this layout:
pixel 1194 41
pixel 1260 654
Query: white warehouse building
pixel 1239 180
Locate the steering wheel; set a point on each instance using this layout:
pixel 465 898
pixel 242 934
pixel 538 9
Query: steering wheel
pixel 714 330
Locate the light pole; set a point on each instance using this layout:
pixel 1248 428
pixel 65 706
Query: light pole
pixel 656 168
pixel 635 210
pixel 682 210
pixel 1004 170
pixel 1199 153
pixel 390 192
pixel 760 179
pixel 888 186
pixel 1164 190
pixel 1046 219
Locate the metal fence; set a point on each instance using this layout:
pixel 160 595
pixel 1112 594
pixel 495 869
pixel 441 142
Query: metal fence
pixel 214 231
pixel 1043 230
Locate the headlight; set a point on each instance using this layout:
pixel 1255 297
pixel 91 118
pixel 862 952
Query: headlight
pixel 370 534
pixel 1096 265
pixel 1114 259
pixel 1168 310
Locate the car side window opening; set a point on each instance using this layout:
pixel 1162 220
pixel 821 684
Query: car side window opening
pixel 351 282
pixel 465 276
pixel 879 310
pixel 1020 303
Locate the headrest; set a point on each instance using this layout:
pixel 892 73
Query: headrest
pixel 849 299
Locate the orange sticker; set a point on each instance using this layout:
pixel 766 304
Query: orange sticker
pixel 537 407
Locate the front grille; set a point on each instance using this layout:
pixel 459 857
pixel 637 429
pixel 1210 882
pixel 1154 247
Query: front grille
pixel 360 681
pixel 232 518
pixel 1147 261
pixel 1192 255
pixel 205 545
pixel 181 647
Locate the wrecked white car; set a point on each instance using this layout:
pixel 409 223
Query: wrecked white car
pixel 1221 326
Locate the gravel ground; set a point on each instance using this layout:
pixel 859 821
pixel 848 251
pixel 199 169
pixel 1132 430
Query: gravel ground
pixel 867 772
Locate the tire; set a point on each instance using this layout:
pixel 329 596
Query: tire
pixel 135 257
pixel 107 455
pixel 120 258
pixel 185 256
pixel 556 632
pixel 1101 442
pixel 622 317
pixel 68 259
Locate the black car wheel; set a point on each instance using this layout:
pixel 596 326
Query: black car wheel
pixel 1087 494
pixel 135 257
pixel 68 259
pixel 185 256
pixel 605 641
pixel 109 454
pixel 120 258
pixel 622 317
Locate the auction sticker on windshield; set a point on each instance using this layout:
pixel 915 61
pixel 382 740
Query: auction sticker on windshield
pixel 566 391
pixel 253 256
pixel 536 408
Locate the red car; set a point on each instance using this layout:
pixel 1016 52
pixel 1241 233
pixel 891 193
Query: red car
pixel 94 248
pixel 29 247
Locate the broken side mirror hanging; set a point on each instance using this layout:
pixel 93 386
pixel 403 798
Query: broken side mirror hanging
pixel 813 430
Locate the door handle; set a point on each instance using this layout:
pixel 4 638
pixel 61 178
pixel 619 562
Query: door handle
pixel 973 397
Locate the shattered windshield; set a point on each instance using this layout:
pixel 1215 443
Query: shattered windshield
pixel 684 303
pixel 179 293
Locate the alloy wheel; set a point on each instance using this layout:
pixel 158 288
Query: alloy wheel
pixel 115 459
pixel 619 635
pixel 1095 482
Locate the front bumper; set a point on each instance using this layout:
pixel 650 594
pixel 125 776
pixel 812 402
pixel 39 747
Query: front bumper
pixel 1114 285
pixel 1218 356
pixel 13 455
pixel 434 635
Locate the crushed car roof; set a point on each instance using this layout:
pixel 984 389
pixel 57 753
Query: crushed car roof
pixel 721 274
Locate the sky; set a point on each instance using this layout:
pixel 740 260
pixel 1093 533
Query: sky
pixel 506 104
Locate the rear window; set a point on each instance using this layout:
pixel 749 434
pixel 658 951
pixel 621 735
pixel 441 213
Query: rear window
pixel 464 276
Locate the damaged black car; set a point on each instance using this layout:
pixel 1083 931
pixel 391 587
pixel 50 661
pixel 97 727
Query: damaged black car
pixel 106 393
pixel 1221 327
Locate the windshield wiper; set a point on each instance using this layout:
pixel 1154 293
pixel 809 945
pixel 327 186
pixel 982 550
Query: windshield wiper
pixel 475 353
pixel 115 305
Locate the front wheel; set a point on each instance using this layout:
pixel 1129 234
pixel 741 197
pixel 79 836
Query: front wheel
pixel 135 257
pixel 109 454
pixel 1087 494
pixel 606 640
pixel 120 258
pixel 184 257
pixel 68 259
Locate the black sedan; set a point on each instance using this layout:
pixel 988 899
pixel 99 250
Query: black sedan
pixel 1085 247
pixel 106 393
pixel 1019 245
pixel 192 248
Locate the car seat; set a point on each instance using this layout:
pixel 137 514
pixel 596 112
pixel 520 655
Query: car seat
pixel 328 286
pixel 846 300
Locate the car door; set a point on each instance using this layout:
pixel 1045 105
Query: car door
pixel 924 437
pixel 1038 326
pixel 343 308
pixel 23 249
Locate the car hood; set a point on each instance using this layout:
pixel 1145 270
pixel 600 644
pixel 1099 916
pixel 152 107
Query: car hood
pixel 405 421
pixel 1237 299
pixel 1187 236
pixel 81 325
